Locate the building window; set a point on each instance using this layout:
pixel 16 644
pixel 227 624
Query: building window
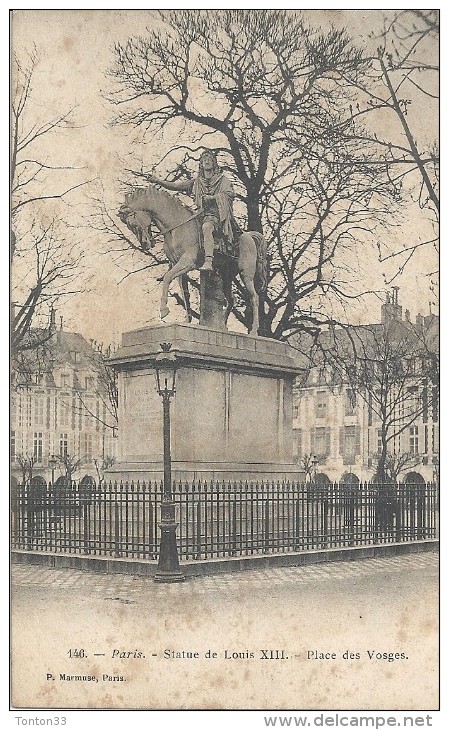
pixel 425 402
pixel 426 439
pixel 13 446
pixel 37 445
pixel 349 440
pixel 413 399
pixel 379 440
pixel 435 440
pixel 64 412
pixel 89 382
pixel 297 444
pixel 88 447
pixel 20 409
pixel 29 411
pixel 350 402
pixel 321 403
pixel 414 443
pixel 320 441
pixel 435 414
pixel 63 444
pixel 65 380
pixel 39 411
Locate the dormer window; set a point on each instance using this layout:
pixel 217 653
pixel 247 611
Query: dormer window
pixel 75 356
pixel 65 380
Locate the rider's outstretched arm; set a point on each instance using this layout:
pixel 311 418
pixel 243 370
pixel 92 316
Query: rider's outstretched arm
pixel 180 185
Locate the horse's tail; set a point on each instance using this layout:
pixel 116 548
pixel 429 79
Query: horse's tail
pixel 261 279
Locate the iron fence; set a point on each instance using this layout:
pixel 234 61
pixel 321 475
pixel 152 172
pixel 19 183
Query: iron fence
pixel 220 520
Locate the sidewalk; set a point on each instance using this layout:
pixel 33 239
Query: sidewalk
pixel 125 585
pixel 352 635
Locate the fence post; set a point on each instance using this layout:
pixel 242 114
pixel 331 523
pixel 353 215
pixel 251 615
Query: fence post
pixel 197 555
pixel 351 515
pixel 266 525
pixel 30 518
pixel 324 517
pixel 234 525
pixel 86 521
pixel 399 509
pixel 297 518
pixel 116 525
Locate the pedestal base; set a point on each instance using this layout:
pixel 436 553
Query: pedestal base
pixel 231 416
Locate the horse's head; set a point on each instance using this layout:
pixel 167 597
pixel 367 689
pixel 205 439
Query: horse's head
pixel 139 222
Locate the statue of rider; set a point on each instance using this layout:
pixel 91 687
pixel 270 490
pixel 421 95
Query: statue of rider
pixel 214 195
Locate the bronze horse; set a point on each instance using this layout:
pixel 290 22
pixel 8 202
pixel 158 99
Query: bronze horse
pixel 182 246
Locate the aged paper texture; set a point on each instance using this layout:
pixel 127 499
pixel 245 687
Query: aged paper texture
pixel 348 635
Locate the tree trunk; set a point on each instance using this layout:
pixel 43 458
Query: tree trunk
pixel 381 474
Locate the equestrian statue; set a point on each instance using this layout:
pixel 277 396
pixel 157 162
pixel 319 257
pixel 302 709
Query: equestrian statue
pixel 207 238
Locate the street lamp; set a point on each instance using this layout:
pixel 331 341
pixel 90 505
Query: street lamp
pixel 168 570
pixel 53 461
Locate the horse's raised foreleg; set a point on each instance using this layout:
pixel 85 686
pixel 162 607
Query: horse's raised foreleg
pixel 186 263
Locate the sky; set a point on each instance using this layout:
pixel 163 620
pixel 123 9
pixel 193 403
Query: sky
pixel 75 51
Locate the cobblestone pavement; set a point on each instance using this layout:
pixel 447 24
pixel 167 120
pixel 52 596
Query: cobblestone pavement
pixel 131 627
pixel 124 586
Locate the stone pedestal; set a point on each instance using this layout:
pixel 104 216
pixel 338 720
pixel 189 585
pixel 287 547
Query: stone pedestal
pixel 231 417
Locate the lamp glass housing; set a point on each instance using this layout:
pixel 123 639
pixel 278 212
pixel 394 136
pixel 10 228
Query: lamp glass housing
pixel 165 365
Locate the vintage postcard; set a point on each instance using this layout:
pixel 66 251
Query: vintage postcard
pixel 224 430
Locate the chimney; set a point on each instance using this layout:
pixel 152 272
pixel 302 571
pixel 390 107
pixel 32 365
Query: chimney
pixel 52 326
pixel 419 320
pixel 391 310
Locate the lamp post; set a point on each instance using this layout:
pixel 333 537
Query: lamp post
pixel 168 570
pixel 53 460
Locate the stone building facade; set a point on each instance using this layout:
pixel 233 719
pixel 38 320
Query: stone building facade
pixel 61 411
pixel 337 435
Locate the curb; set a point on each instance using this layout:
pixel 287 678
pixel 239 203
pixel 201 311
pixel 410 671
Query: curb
pixel 192 569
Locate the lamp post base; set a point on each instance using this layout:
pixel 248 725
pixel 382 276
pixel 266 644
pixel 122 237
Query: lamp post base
pixel 168 570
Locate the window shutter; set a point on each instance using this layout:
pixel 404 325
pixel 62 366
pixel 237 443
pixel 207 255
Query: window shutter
pixel 342 439
pixel 425 402
pixel 299 442
pixel 312 441
pixel 328 440
pixel 357 439
pixel 436 439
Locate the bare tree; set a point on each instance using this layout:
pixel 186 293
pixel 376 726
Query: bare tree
pixel 70 464
pixel 272 96
pixel 45 260
pixel 393 366
pixel 395 464
pixel 47 266
pixel 104 388
pixel 308 464
pixel 402 91
pixel 101 465
pixel 26 464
